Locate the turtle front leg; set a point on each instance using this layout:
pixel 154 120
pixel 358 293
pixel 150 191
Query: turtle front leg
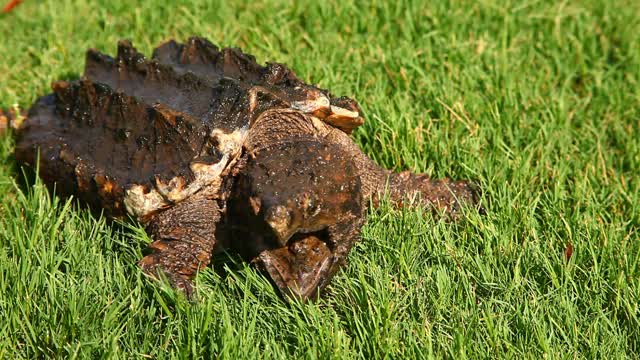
pixel 184 238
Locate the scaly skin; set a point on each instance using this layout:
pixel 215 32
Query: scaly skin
pixel 184 239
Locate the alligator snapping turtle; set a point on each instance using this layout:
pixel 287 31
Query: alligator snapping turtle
pixel 213 151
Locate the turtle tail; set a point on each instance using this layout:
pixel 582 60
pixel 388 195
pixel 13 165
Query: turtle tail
pixel 407 188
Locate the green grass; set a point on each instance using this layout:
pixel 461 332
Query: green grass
pixel 537 100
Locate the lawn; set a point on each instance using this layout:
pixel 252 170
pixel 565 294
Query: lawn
pixel 539 101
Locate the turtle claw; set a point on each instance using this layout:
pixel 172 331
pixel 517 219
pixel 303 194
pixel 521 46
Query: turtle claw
pixel 153 269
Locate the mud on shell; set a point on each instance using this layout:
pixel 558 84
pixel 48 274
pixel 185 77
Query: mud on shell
pixel 137 135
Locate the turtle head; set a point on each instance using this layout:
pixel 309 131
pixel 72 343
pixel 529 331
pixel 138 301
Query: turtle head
pixel 297 187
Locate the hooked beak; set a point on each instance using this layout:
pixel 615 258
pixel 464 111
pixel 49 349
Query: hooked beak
pixel 280 221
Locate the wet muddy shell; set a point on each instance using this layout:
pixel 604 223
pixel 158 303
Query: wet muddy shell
pixel 138 135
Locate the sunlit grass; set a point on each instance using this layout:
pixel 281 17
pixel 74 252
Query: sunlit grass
pixel 537 101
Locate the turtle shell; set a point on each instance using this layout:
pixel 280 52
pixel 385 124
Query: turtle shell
pixel 136 135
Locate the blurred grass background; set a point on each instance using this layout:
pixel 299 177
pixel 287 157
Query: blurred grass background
pixel 537 100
